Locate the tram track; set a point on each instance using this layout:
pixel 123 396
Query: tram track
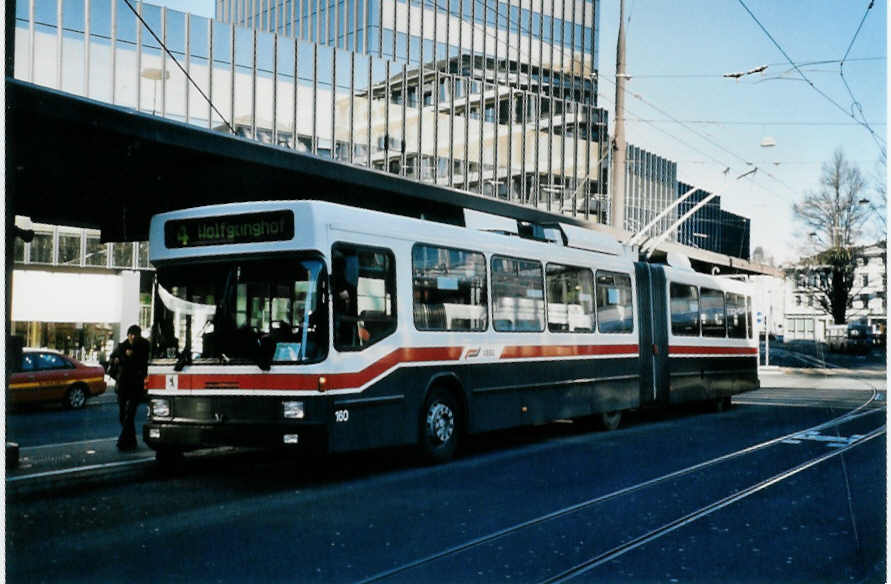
pixel 854 414
pixel 590 564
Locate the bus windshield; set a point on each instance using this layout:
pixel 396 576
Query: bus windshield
pixel 245 311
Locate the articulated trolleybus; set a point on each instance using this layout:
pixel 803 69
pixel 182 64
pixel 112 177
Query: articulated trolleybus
pixel 312 325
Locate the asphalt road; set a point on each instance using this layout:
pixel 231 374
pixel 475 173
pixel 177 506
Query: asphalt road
pixel 52 424
pixel 576 496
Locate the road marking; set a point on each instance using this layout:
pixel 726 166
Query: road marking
pixel 56 445
pixel 77 470
pixel 831 441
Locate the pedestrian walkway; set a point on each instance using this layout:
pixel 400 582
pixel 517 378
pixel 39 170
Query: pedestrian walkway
pixel 60 466
pixel 854 379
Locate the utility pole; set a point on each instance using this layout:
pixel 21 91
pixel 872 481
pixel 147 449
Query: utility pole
pixel 617 170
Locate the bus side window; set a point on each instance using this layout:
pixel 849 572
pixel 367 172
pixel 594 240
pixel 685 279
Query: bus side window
pixel 712 310
pixel 749 317
pixel 449 289
pixel 615 309
pixel 684 307
pixel 517 295
pixel 736 316
pixel 363 295
pixel 570 299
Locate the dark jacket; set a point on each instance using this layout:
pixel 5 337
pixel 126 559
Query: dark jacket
pixel 132 368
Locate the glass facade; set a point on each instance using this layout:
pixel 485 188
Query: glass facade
pixel 650 186
pixel 703 229
pixel 735 241
pixel 56 245
pixel 495 98
pixel 712 228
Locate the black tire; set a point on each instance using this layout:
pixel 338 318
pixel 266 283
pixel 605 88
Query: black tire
pixel 12 455
pixel 722 404
pixel 608 421
pixel 169 460
pixel 76 397
pixel 440 426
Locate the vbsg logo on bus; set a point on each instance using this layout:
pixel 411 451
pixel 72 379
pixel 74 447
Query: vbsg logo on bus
pixel 229 229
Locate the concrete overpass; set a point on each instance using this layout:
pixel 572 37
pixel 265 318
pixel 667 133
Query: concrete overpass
pixel 76 161
pixel 89 162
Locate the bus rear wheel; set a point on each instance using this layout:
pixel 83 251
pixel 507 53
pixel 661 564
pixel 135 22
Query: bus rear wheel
pixel 722 404
pixel 609 421
pixel 440 425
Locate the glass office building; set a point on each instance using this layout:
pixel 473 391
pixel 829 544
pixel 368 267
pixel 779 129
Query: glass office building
pixel 73 293
pixel 712 228
pixel 494 98
pixel 703 229
pixel 497 98
pixel 651 185
pixel 735 241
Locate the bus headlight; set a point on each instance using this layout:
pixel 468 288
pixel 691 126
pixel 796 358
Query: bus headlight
pixel 292 409
pixel 160 408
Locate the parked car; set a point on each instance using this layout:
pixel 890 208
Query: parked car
pixel 860 338
pixel 47 376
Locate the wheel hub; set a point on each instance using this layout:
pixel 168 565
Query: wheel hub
pixel 77 398
pixel 440 422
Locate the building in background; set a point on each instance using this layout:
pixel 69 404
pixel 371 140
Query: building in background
pixel 735 239
pixel 703 229
pixel 75 294
pixel 651 185
pixel 712 228
pixel 495 98
pixel 768 299
pixel 806 320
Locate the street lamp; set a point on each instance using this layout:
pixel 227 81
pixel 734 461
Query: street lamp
pixel 154 75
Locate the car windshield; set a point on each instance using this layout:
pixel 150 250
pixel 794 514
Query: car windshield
pixel 236 312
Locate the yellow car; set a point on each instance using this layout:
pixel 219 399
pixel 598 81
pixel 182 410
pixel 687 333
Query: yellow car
pixel 48 376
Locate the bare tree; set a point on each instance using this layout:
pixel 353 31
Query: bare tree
pixel 834 215
pixel 879 203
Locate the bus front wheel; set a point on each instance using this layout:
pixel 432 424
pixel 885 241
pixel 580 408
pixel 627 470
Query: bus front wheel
pixel 440 425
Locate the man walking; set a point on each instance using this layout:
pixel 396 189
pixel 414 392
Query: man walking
pixel 131 361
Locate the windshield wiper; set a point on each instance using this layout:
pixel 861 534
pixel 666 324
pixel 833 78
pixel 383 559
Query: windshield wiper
pixel 185 357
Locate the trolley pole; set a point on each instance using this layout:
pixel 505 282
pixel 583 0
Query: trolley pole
pixel 617 171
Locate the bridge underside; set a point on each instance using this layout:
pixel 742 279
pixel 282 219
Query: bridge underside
pixel 78 162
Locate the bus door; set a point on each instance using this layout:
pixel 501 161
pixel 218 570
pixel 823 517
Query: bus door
pixel 651 302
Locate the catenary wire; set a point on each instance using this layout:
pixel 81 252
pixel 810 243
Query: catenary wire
pixel 522 28
pixel 721 75
pixel 855 103
pixel 764 123
pixel 705 137
pixel 876 138
pixel 163 45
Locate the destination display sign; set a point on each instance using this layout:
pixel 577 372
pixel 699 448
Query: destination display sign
pixel 229 229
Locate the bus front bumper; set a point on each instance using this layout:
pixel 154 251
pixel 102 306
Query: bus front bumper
pixel 184 436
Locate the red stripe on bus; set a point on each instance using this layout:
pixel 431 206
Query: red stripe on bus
pixel 302 381
pixel 684 350
pixel 532 351
pixel 289 381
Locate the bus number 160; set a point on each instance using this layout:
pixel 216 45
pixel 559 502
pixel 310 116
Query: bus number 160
pixel 341 415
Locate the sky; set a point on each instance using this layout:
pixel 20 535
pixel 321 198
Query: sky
pixel 679 105
pixel 677 53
